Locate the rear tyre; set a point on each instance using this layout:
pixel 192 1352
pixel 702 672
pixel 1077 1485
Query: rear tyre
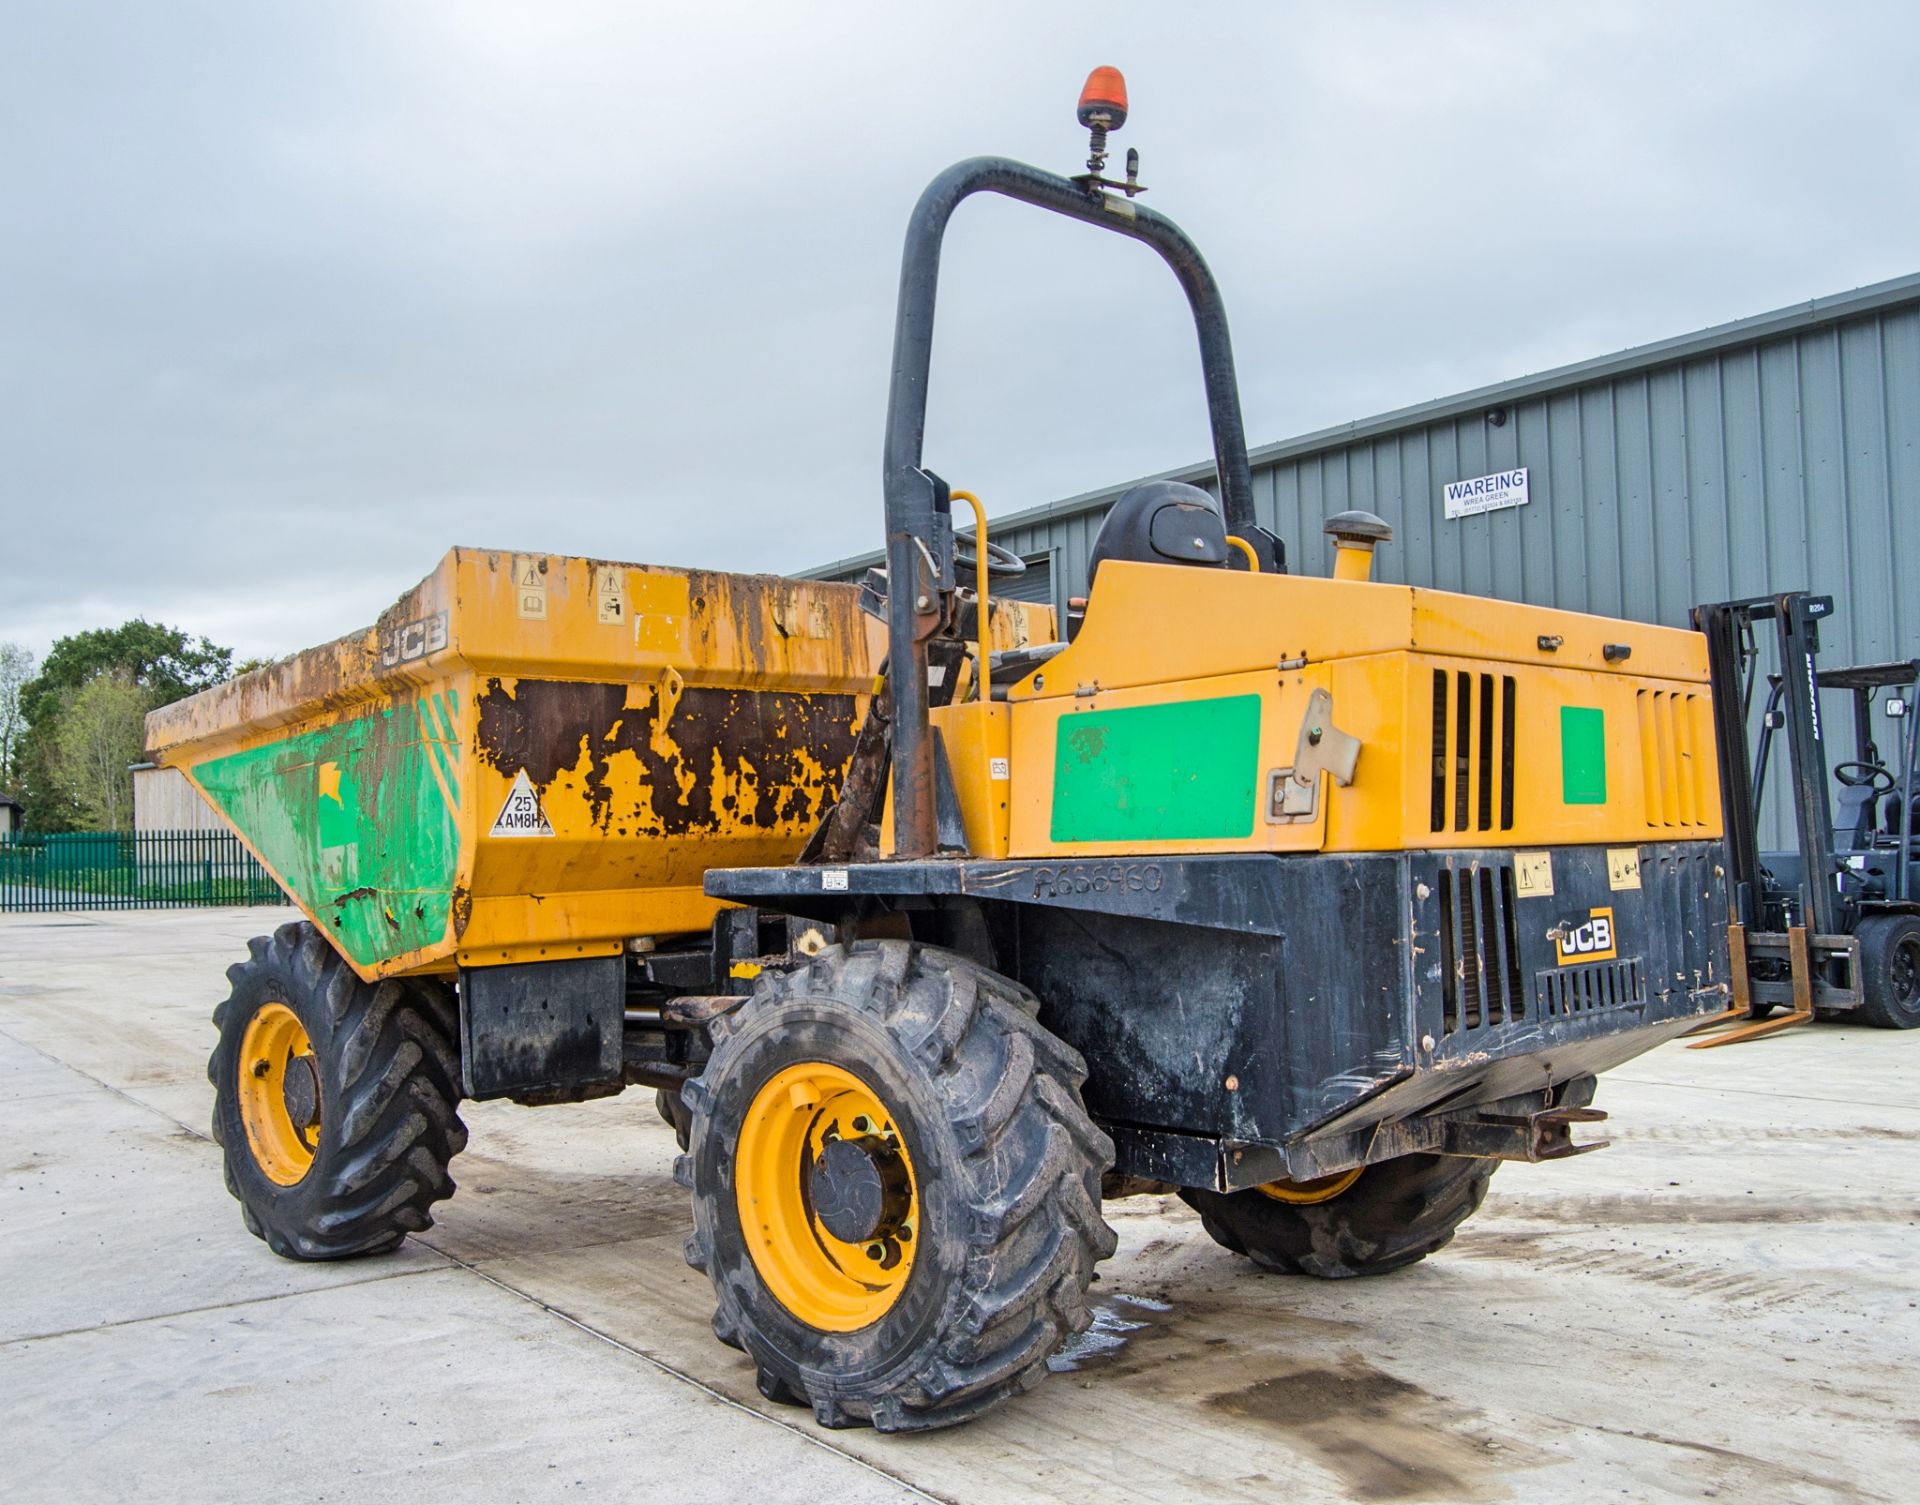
pixel 1889 971
pixel 334 1099
pixel 1384 1218
pixel 896 1189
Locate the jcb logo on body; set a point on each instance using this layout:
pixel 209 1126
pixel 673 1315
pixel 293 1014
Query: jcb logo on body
pixel 1592 941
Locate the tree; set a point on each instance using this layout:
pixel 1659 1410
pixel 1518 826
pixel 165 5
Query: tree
pixel 99 734
pixel 16 672
pixel 162 662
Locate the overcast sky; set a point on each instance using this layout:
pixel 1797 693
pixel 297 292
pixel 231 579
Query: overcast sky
pixel 293 297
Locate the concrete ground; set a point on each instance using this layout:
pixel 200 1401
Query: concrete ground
pixel 1723 1305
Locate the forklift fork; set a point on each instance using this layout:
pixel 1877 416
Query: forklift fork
pixel 1742 1005
pixel 1800 956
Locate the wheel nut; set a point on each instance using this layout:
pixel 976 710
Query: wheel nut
pixel 876 1252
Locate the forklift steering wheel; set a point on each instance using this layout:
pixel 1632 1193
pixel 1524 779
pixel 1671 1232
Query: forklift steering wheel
pixel 1002 562
pixel 1855 774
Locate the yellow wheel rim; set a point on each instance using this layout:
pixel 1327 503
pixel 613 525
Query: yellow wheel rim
pixel 829 1282
pixel 278 1085
pixel 1303 1193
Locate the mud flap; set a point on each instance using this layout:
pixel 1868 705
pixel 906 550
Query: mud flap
pixel 544 1030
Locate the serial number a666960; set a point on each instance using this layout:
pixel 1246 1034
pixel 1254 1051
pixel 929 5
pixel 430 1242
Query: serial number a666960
pixel 1097 878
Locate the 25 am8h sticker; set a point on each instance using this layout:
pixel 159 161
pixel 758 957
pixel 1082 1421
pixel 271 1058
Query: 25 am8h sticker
pixel 521 815
pixel 1592 941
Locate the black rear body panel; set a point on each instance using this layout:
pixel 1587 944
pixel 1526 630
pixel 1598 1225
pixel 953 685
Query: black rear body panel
pixel 1245 1017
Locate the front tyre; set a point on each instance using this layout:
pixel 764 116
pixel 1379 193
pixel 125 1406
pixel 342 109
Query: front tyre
pixel 1367 1222
pixel 1889 970
pixel 896 1189
pixel 334 1099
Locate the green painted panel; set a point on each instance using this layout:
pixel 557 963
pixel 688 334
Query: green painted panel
pixel 353 819
pixel 1182 772
pixel 1583 755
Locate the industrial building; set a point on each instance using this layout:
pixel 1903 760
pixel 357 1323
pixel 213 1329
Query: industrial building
pixel 1773 453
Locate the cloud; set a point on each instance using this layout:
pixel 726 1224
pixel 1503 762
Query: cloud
pixel 294 298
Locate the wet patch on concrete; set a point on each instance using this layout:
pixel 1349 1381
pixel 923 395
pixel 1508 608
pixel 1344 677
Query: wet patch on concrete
pixel 1183 1338
pixel 1383 1437
pixel 1116 1323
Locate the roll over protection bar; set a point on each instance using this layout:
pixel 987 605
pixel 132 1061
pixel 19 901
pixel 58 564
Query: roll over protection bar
pixel 916 569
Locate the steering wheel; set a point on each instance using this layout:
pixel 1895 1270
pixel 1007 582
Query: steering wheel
pixel 1002 562
pixel 1853 775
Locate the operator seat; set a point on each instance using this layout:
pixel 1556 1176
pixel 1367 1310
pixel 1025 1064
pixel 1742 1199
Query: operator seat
pixel 1157 522
pixel 1161 522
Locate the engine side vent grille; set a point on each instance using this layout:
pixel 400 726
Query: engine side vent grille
pixel 1479 949
pixel 1473 751
pixel 1674 741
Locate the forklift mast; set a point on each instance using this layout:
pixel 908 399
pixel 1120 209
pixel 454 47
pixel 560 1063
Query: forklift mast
pixel 1734 668
pixel 1831 927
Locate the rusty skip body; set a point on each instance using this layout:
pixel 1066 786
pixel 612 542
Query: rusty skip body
pixel 535 757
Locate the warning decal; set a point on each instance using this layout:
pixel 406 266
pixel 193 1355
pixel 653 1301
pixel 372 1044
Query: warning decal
pixel 609 595
pixel 530 586
pixel 521 815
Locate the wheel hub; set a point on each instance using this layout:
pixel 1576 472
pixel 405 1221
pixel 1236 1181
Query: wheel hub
pixel 859 1189
pixel 825 1186
pixel 1904 974
pixel 301 1092
pixel 279 1093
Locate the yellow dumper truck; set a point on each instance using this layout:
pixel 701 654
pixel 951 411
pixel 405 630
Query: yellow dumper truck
pixel 936 921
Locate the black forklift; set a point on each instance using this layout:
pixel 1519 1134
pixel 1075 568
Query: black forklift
pixel 1832 927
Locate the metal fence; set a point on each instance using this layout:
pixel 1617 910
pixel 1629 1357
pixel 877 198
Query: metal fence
pixel 130 870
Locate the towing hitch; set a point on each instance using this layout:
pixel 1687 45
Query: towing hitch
pixel 1547 1135
pixel 1483 1133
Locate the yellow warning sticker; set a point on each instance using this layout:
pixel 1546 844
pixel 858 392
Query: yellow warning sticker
pixel 1533 875
pixel 530 586
pixel 609 594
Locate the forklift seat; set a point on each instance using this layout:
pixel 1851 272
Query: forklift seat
pixel 1890 814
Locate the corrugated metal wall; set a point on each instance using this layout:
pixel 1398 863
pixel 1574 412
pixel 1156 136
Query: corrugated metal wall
pixel 1792 463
